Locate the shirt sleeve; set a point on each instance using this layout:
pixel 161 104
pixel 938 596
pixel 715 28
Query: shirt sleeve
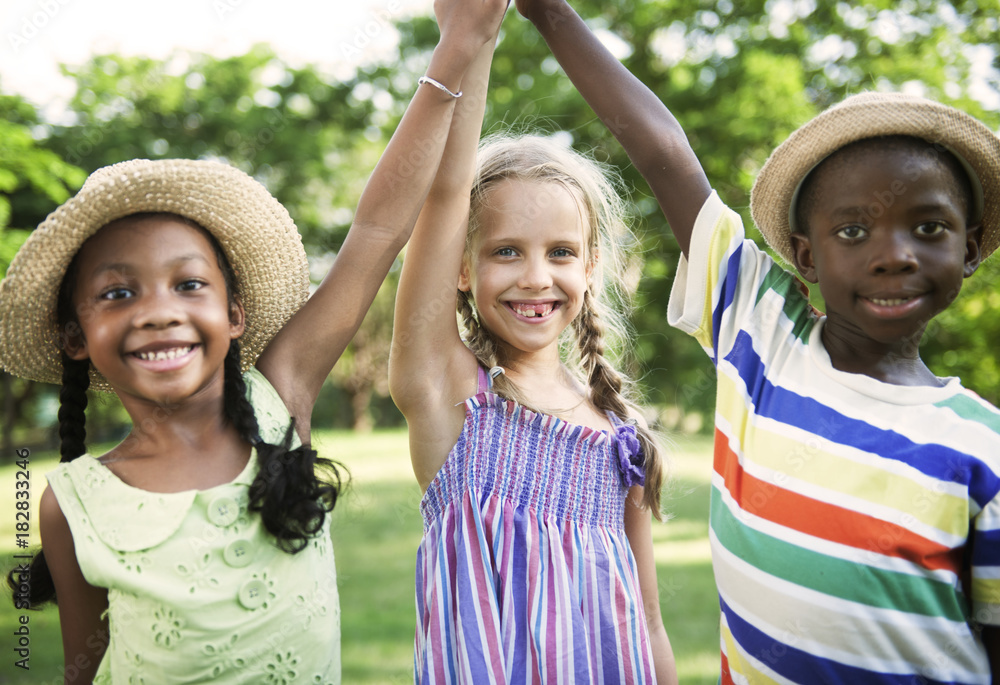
pixel 719 287
pixel 986 564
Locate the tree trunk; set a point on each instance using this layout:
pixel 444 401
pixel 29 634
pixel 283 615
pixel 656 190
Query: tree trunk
pixel 361 398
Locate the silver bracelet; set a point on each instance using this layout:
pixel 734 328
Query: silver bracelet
pixel 437 84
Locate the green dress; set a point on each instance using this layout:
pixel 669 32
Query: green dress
pixel 197 589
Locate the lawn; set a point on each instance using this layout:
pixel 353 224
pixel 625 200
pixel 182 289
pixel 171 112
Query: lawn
pixel 376 530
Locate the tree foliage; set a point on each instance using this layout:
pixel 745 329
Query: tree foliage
pixel 739 76
pixel 32 179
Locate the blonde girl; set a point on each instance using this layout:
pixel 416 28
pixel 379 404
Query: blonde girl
pixel 540 479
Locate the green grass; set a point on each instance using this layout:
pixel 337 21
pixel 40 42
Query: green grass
pixel 376 530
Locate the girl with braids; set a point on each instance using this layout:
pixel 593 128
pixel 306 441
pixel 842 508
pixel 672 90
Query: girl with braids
pixel 540 478
pixel 198 549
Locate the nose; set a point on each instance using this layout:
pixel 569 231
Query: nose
pixel 157 309
pixel 893 252
pixel 535 275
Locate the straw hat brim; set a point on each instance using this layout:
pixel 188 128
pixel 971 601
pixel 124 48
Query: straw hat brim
pixel 871 115
pixel 254 230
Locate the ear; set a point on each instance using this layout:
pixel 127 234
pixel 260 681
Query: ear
pixel 74 342
pixel 465 277
pixel 802 256
pixel 237 320
pixel 973 251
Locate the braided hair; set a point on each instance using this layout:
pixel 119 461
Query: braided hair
pixel 293 490
pixel 288 492
pixel 601 327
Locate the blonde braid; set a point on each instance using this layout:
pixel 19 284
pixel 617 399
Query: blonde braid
pixel 606 395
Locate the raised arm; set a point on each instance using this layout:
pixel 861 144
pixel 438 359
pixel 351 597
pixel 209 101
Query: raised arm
pixel 652 137
pixel 302 354
pixel 430 369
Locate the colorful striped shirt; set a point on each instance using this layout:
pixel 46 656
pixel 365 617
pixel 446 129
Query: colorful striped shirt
pixel 525 573
pixel 855 525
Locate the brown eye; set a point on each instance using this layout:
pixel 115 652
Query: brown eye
pixel 191 284
pixel 930 229
pixel 853 232
pixel 116 293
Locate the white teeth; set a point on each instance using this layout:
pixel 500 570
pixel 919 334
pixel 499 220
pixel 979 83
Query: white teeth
pixel 161 355
pixel 889 303
pixel 530 311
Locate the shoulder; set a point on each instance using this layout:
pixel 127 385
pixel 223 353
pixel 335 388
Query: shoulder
pixel 52 521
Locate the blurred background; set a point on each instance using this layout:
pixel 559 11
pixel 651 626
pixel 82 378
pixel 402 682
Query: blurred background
pixel 309 110
pixel 304 96
pixel 739 77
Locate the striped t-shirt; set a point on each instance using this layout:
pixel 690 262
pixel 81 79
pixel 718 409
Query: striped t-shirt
pixel 843 508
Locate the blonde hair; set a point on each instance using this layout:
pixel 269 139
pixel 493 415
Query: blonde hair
pixel 602 322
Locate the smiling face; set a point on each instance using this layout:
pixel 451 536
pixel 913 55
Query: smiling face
pixel 528 265
pixel 887 241
pixel 152 304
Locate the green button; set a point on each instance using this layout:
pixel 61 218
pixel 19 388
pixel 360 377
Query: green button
pixel 238 553
pixel 253 594
pixel 223 511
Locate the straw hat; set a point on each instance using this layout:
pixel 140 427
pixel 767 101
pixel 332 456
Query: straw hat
pixel 869 115
pixel 254 229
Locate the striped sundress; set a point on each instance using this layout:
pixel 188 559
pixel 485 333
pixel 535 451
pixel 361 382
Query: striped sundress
pixel 524 573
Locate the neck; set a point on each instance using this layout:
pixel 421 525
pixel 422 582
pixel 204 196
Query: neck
pixel 166 428
pixel 896 363
pixel 545 382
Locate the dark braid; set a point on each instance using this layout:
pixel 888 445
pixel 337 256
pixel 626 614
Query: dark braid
pixel 72 438
pixel 288 492
pixel 72 408
pixel 606 394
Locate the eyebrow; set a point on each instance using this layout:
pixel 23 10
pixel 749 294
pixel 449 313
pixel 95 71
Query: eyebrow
pixel 125 266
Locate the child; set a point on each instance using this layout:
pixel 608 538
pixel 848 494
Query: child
pixel 198 550
pixel 536 563
pixel 855 514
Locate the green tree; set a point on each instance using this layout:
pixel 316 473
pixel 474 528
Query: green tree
pixel 31 178
pixel 740 77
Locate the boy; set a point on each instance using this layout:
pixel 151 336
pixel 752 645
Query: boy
pixel 855 521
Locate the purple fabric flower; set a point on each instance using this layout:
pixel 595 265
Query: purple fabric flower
pixel 629 452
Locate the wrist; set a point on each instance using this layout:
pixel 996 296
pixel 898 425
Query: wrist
pixel 449 62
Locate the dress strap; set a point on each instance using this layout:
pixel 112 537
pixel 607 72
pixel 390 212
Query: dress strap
pixel 485 382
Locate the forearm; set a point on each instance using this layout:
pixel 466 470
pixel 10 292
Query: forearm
pixel 633 114
pixel 398 185
pixel 457 169
pixel 651 136
pixel 663 654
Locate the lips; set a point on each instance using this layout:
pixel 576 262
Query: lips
pixel 891 305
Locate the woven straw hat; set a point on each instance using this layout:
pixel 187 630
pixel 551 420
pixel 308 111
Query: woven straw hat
pixel 869 115
pixel 255 231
